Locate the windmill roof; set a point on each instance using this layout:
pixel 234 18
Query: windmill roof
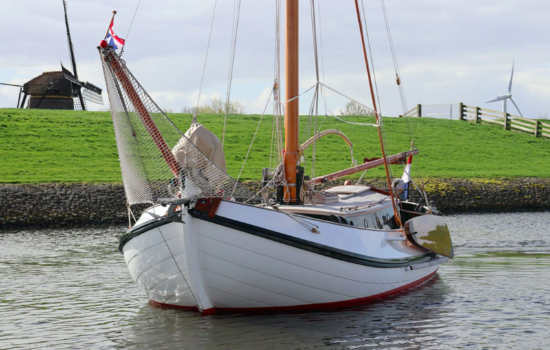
pixel 39 84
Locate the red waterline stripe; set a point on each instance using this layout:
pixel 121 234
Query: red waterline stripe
pixel 306 307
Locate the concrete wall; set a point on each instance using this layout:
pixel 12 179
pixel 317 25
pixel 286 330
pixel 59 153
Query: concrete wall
pixel 77 205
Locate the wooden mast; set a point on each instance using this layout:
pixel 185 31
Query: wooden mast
pixel 292 146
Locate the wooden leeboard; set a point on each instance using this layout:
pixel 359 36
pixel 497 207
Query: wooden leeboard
pixel 430 232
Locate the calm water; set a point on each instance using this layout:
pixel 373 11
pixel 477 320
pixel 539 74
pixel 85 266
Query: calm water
pixel 70 289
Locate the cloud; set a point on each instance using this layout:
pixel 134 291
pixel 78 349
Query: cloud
pixel 448 51
pixel 259 104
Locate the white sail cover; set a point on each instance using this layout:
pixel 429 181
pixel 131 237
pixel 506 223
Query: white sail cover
pixel 205 141
pixel 158 162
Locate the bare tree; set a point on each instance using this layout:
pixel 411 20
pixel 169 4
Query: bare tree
pixel 354 108
pixel 216 106
pixel 188 110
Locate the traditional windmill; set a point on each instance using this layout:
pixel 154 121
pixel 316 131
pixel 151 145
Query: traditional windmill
pixel 507 96
pixel 59 89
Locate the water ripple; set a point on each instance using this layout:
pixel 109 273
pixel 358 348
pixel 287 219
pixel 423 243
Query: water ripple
pixel 69 289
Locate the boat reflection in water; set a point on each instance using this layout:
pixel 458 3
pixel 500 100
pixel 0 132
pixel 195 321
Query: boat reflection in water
pixel 414 318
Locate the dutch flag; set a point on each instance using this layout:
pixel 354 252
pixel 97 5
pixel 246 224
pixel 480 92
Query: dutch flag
pixel 407 177
pixel 112 39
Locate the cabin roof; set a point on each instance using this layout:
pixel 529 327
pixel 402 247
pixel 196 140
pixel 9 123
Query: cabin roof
pixel 357 201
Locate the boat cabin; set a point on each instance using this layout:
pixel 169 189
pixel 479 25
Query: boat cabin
pixel 357 205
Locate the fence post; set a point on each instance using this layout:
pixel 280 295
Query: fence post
pixel 537 125
pixel 419 110
pixel 477 114
pixel 461 111
pixel 506 123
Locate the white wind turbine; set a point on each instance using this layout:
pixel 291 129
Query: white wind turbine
pixel 504 97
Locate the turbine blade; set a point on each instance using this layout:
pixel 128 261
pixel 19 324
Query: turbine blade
pixel 511 77
pixel 496 99
pixel 516 107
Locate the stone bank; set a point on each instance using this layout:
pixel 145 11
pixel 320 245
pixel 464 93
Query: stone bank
pixel 80 205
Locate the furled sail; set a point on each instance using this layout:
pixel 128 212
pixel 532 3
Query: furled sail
pixel 159 163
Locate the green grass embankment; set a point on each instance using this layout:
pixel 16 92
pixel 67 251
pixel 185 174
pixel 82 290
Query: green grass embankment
pixel 47 146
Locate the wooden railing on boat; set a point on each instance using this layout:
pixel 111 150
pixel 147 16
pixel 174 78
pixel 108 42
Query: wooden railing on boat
pixel 323 134
pixel 486 116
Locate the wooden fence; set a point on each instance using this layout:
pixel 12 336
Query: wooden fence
pixel 509 121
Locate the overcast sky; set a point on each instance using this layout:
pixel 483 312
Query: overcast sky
pixel 448 51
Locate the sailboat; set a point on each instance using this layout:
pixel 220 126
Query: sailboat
pixel 210 244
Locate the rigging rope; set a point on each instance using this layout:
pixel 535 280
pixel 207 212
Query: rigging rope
pixel 322 60
pixel 316 96
pixel 348 122
pixel 378 118
pixel 295 97
pixel 397 72
pixel 351 99
pixel 236 16
pixel 371 56
pixel 382 130
pixel 131 23
pixel 252 142
pixel 205 60
pixel 302 221
pixel 398 76
pixel 275 125
pixel 394 57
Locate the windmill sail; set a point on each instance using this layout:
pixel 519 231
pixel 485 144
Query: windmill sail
pixel 159 162
pixel 90 93
pixel 69 40
pixel 69 76
pixel 79 101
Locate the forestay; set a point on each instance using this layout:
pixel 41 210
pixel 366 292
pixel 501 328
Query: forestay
pixel 159 162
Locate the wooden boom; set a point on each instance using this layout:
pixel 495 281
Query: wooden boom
pixel 395 159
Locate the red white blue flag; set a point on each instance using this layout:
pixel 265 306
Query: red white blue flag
pixel 112 39
pixel 407 177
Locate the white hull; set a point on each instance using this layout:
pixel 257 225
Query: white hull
pixel 200 263
pixel 331 248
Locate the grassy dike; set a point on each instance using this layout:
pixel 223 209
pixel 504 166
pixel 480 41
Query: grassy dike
pixel 60 168
pixel 47 146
